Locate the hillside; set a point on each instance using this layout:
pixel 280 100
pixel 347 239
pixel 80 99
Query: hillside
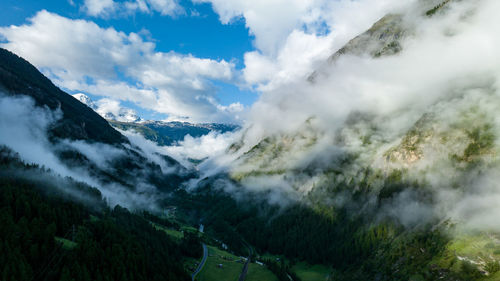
pixel 49 234
pixel 19 77
pixel 77 140
pixel 392 193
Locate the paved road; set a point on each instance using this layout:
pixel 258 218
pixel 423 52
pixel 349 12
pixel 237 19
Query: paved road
pixel 202 263
pixel 244 271
pixel 245 267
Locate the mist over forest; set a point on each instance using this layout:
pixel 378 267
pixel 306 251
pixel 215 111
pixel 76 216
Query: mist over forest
pixel 303 140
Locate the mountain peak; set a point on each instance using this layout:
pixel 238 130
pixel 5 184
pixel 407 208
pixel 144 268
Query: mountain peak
pixel 85 100
pixel 109 109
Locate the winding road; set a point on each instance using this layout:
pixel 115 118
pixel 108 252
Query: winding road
pixel 202 263
pixel 243 274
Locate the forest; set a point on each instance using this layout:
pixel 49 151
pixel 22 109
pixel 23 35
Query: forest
pixel 48 235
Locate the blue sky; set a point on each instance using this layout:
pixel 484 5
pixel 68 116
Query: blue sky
pixel 202 35
pixel 197 31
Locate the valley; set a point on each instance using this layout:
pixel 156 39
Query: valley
pixel 370 150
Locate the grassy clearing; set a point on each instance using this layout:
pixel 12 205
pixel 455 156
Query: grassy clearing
pixel 189 228
pixel 259 273
pixel 307 272
pixel 177 235
pixel 66 244
pixel 230 270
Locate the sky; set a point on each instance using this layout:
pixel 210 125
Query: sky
pixel 189 60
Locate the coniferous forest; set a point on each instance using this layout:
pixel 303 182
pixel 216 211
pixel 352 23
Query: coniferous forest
pixel 48 235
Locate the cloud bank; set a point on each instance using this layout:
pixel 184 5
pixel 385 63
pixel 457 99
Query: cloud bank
pixel 429 111
pixel 293 37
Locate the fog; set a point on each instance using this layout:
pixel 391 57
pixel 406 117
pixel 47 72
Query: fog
pixel 24 128
pixel 414 111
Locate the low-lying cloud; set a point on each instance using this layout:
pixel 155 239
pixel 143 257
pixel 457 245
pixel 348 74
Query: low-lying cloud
pixel 428 111
pixel 24 127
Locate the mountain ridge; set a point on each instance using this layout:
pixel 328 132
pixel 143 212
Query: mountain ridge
pixel 164 133
pixel 19 77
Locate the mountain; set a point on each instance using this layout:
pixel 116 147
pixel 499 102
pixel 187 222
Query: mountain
pixel 109 110
pixel 83 98
pixel 79 122
pixel 408 193
pixel 160 132
pixel 61 208
pixel 388 32
pixel 271 154
pixel 82 140
pixel 66 231
pixel 169 133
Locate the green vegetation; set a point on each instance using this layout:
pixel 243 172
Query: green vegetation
pixel 177 235
pixel 48 235
pixel 230 270
pixel 259 273
pixel 432 11
pixel 481 142
pixel 392 48
pixel 351 245
pixel 308 272
pixel 66 244
pixel 470 254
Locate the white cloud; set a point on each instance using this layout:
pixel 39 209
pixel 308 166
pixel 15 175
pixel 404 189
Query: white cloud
pixel 447 71
pixel 79 55
pixel 199 148
pixel 295 61
pixel 109 109
pixel 270 21
pixel 165 7
pixel 99 7
pixel 107 8
pixel 293 36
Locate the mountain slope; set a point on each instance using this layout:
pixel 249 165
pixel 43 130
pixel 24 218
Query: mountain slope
pixel 394 189
pixel 50 234
pixel 80 143
pixel 169 133
pixel 361 134
pixel 19 77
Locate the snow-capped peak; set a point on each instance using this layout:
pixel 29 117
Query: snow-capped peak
pixel 83 98
pixel 109 109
